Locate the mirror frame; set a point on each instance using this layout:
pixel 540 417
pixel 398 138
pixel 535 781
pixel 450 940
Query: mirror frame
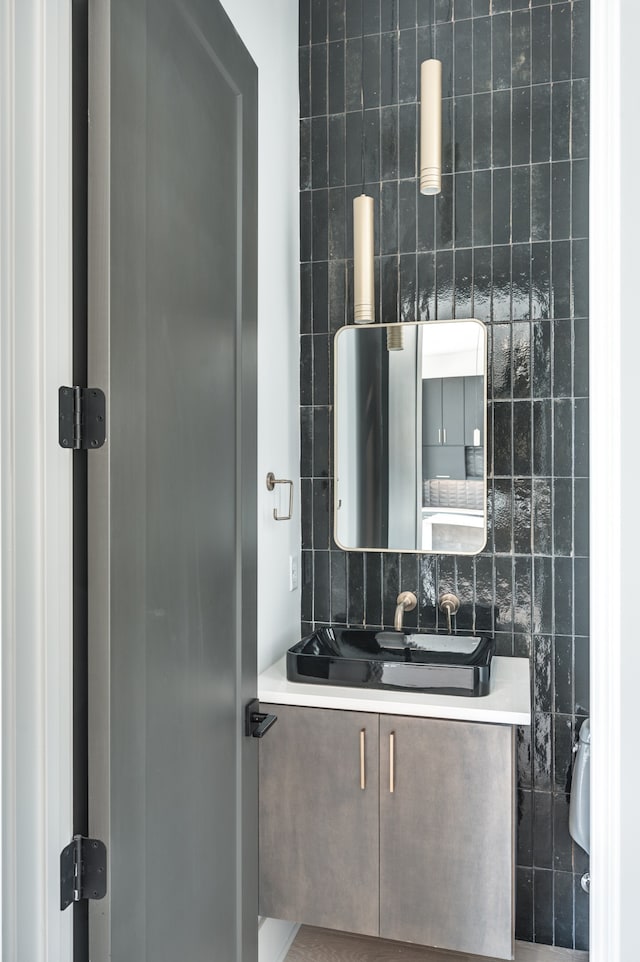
pixel 405 324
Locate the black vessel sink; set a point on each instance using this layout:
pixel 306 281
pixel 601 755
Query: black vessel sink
pixel 396 660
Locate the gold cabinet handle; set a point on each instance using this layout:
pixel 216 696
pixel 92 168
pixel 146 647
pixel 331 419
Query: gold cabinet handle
pixel 392 762
pixel 363 774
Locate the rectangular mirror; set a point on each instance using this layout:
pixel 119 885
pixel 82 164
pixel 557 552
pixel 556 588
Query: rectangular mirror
pixel 410 437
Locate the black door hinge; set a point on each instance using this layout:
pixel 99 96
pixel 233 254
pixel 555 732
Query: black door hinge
pixel 82 412
pixel 83 870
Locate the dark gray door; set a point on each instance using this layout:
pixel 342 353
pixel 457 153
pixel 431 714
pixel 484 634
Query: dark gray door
pixel 172 495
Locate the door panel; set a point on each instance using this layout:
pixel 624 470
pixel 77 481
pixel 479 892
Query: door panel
pixel 172 594
pixel 318 826
pixel 448 827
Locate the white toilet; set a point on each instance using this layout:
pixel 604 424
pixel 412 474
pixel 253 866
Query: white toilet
pixel 579 804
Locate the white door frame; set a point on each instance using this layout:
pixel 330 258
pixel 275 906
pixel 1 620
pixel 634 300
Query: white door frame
pixel 35 475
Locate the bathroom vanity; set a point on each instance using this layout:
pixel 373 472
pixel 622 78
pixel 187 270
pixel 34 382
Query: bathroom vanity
pixel 392 813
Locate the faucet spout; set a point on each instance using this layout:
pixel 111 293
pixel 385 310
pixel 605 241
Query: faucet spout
pixel 406 601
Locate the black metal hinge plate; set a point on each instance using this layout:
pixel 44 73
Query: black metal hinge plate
pixel 83 870
pixel 82 413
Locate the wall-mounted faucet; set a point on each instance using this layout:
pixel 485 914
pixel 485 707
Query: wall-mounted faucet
pixel 406 601
pixel 449 603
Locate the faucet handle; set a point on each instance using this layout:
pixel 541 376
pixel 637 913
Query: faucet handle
pixel 449 603
pixel 407 599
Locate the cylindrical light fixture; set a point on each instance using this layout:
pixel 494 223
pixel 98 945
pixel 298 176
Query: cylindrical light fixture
pixel 395 338
pixel 430 126
pixel 363 274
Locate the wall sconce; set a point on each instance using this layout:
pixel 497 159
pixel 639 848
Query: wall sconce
pixel 363 272
pixel 430 127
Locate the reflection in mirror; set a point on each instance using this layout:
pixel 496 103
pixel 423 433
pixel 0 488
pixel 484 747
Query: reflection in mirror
pixel 410 437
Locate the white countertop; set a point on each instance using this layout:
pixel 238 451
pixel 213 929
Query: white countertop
pixel 508 702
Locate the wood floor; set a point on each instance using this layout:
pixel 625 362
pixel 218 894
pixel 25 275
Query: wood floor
pixel 324 945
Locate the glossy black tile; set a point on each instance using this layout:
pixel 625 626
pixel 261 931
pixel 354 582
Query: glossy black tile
pixel 541 44
pixel 463 210
pixel 322 586
pixel 407 67
pixel 520 279
pixel 501 121
pixel 541 520
pixel 524 904
pixel 481 50
pixel 543 906
pixel 306 370
pixel 561 42
pixel 501 287
pixel 320 297
pixel 542 830
pixel 320 370
pixel 336 19
pixel 444 285
pixel 321 514
pixel 318 81
pixel 338 565
pixel 524 823
pixel 562 845
pixel 407 13
pixel 561 121
pixel 501 51
pixel 563 910
pixel 580 40
pixel 319 21
pixel 541 124
pixel 481 122
pixel 463 283
pixel 407 284
pixel 463 80
pixel 463 133
pixel 336 91
pixel 337 294
pixel 542 751
pixel 373 590
pixel 355 588
pixel 563 741
pixel 308 586
pixel 306 507
pixel 581 911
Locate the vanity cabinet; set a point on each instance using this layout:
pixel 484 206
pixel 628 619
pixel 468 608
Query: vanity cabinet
pixel 447 834
pixel 318 826
pixel 423 853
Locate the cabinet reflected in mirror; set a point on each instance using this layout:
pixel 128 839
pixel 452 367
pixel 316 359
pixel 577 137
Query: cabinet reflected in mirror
pixel 410 437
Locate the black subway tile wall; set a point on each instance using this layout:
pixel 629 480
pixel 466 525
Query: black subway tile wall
pixel 507 242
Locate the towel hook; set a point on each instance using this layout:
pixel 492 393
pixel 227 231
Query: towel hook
pixel 271 483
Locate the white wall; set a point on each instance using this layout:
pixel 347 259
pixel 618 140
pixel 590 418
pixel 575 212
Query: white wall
pixel 269 29
pixel 630 484
pixel 35 474
pixel 614 470
pixel 270 33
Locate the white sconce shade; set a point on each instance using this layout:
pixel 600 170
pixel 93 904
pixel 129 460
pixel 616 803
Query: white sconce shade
pixel 363 272
pixel 430 126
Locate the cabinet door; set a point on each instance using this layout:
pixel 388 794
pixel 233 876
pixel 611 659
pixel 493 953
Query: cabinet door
pixel 453 410
pixel 440 461
pixel 319 847
pixel 447 835
pixel 432 410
